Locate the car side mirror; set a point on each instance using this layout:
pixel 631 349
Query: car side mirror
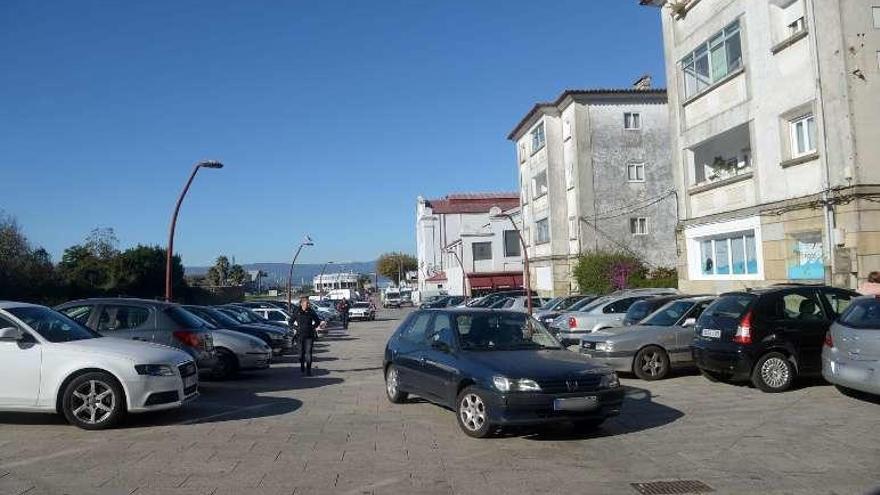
pixel 11 334
pixel 689 322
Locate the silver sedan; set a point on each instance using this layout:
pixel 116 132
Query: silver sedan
pixel 851 353
pixel 236 352
pixel 655 346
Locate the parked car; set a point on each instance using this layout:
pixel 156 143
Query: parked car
pixel 274 315
pixel 443 302
pixel 496 368
pixel 490 299
pixel 560 303
pixel 651 349
pixel 247 315
pixel 851 352
pixel 238 352
pixel 52 363
pixel 520 303
pixel 147 321
pixel 604 312
pixel 641 309
pixel 769 336
pixel 263 304
pixel 547 317
pixel 362 311
pixel 279 340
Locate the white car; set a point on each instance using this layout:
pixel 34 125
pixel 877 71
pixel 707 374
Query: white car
pixel 273 314
pixel 53 364
pixel 362 311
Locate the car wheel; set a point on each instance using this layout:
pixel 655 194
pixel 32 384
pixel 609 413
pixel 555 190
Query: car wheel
pixel 711 376
pixel 93 401
pixel 227 365
pixel 392 386
pixel 773 373
pixel 473 413
pixel 651 363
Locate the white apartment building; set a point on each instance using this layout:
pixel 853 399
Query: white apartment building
pixel 462 249
pixel 775 116
pixel 595 174
pixel 328 281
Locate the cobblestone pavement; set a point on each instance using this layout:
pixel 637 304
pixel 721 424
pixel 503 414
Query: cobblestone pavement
pixel 275 432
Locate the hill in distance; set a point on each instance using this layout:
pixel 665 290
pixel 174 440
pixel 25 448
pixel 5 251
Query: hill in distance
pixel 277 272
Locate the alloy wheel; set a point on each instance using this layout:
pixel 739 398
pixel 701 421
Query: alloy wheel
pixel 651 364
pixel 775 372
pixel 93 402
pixel 391 382
pixel 472 412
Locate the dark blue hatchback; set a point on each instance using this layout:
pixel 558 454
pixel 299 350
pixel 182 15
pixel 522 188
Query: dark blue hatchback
pixel 496 368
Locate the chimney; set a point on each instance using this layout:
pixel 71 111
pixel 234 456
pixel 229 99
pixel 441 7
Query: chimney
pixel 643 82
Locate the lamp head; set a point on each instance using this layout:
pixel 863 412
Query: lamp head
pixel 495 212
pixel 210 164
pixel 308 241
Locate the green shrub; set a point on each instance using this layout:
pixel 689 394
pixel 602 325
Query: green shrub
pixel 603 272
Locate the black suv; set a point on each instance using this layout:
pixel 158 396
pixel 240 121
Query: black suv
pixel 769 335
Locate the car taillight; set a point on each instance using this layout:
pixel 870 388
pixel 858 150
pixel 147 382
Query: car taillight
pixel 187 337
pixel 829 342
pixel 744 330
pixel 572 322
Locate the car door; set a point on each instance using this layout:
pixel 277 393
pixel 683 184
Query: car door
pixel 127 321
pixel 22 360
pixel 802 321
pixel 411 351
pixel 440 363
pixel 684 334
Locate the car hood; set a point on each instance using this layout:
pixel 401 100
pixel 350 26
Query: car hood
pixel 259 327
pixel 534 364
pixel 231 338
pixel 135 351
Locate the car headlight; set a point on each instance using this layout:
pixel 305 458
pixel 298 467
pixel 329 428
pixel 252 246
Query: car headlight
pixel 504 384
pixel 605 346
pixel 609 381
pixel 154 369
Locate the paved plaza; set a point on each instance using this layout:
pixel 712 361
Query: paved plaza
pixel 275 432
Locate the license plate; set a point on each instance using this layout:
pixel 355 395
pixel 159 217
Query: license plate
pixel 189 381
pixel 708 332
pixel 587 403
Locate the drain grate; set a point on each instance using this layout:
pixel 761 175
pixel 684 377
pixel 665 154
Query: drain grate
pixel 672 487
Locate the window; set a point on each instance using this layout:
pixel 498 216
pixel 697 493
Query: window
pixel 621 306
pixel 863 314
pixel 79 314
pixel 796 26
pixel 795 306
pixel 122 318
pixel 728 254
pixel 521 152
pixel 713 60
pixel 539 184
pixel 416 330
pixel 511 243
pixel 635 172
pixel 632 121
pixel 275 316
pixel 876 12
pixel 538 140
pixel 572 228
pixel 838 300
pixel 482 251
pixel 542 231
pixel 569 174
pixel 638 226
pixel 803 135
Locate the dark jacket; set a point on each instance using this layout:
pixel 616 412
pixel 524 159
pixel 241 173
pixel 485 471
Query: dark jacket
pixel 305 322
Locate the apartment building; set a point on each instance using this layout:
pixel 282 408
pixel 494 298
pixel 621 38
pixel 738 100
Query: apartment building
pixel 595 173
pixel 775 134
pixel 463 249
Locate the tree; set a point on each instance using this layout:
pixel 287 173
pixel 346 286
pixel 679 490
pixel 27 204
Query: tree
pixel 394 265
pixel 219 273
pixel 140 272
pixel 237 275
pixel 601 272
pixel 102 243
pixel 26 273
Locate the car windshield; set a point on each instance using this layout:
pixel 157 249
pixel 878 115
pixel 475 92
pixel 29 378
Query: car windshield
pixel 862 314
pixel 668 315
pixel 239 314
pixel 590 305
pixel 52 325
pixel 502 332
pixel 185 319
pixel 551 304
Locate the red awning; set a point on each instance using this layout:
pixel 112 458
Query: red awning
pixel 495 280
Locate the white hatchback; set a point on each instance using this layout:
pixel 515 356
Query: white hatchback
pixel 53 364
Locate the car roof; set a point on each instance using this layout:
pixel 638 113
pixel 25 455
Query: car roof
pixel 459 310
pixel 16 304
pixel 758 291
pixel 118 300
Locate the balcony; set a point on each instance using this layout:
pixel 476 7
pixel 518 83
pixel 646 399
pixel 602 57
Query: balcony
pixel 721 172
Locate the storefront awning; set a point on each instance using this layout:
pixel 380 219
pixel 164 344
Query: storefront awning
pixel 495 280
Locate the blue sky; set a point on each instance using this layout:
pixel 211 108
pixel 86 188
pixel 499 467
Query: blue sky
pixel 331 116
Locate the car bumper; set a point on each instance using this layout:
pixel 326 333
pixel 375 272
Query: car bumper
pixel 158 393
pixel 537 408
pixel 568 336
pixel 618 361
pixel 360 316
pixel 863 376
pixel 729 360
pixel 254 360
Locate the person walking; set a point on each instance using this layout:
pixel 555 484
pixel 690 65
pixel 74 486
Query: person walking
pixel 872 286
pixel 306 322
pixel 343 308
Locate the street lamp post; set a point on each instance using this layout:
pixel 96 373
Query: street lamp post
pixel 497 212
pixel 169 253
pixel 451 250
pixel 306 242
pixel 321 278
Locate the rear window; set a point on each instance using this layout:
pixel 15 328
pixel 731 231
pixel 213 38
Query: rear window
pixel 184 318
pixel 733 306
pixel 640 310
pixel 863 314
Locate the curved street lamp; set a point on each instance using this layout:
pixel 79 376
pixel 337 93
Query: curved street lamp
pixel 454 252
pixel 497 212
pixel 321 278
pixel 169 253
pixel 306 242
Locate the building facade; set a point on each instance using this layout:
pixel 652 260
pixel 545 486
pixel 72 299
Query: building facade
pixel 329 281
pixel 463 249
pixel 595 174
pixel 776 133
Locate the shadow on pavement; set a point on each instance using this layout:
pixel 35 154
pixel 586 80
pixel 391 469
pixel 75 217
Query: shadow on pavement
pixel 639 413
